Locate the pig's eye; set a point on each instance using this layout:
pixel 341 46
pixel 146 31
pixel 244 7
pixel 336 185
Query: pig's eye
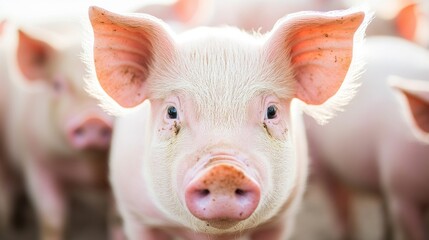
pixel 271 112
pixel 171 112
pixel 57 86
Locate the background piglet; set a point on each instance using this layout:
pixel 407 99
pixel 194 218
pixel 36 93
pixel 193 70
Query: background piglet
pixel 404 18
pixel 250 15
pixel 56 134
pixel 216 151
pixel 371 146
pixel 414 99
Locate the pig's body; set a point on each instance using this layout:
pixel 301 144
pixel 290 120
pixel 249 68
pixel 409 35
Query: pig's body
pixel 370 144
pixel 214 147
pixel 57 136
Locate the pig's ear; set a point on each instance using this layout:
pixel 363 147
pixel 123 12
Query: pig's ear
pixel 406 21
pixel 414 100
pixel 33 56
pixel 317 50
pixel 186 10
pixel 125 50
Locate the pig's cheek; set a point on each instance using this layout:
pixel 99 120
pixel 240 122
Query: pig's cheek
pixel 276 130
pixel 169 130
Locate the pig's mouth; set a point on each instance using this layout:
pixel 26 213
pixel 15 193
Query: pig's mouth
pixel 222 224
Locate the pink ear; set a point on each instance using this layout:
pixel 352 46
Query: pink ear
pixel 125 49
pixel 317 48
pixel 33 56
pixel 406 22
pixel 186 9
pixel 420 109
pixel 417 101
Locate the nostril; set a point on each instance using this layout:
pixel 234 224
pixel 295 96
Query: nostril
pixel 78 131
pixel 240 192
pixel 204 192
pixel 105 132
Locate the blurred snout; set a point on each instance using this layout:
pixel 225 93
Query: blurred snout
pixel 90 133
pixel 222 192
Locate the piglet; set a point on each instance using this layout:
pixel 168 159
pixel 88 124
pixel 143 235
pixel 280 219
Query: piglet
pixel 209 144
pixel 371 145
pixel 57 135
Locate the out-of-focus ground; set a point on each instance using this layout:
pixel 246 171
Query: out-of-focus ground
pixel 86 221
pixel 315 220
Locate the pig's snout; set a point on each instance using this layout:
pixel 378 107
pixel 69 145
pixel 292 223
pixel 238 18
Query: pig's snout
pixel 222 192
pixel 92 133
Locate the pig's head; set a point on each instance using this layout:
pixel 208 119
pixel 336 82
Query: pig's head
pixel 52 75
pixel 414 100
pixel 219 156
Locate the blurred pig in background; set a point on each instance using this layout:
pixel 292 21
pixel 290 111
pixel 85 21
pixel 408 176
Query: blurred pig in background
pixel 371 146
pixel 404 18
pixel 57 135
pixel 249 15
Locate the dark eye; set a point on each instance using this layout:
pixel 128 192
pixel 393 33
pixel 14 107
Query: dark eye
pixel 271 112
pixel 57 86
pixel 172 112
pixel 58 83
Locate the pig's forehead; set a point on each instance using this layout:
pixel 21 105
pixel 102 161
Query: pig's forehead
pixel 222 71
pixel 228 63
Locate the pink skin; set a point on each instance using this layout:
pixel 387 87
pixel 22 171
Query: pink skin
pixel 56 132
pixel 182 166
pixel 222 192
pixel 371 144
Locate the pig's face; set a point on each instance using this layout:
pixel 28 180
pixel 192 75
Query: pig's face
pixel 201 122
pixel 219 156
pixel 66 115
